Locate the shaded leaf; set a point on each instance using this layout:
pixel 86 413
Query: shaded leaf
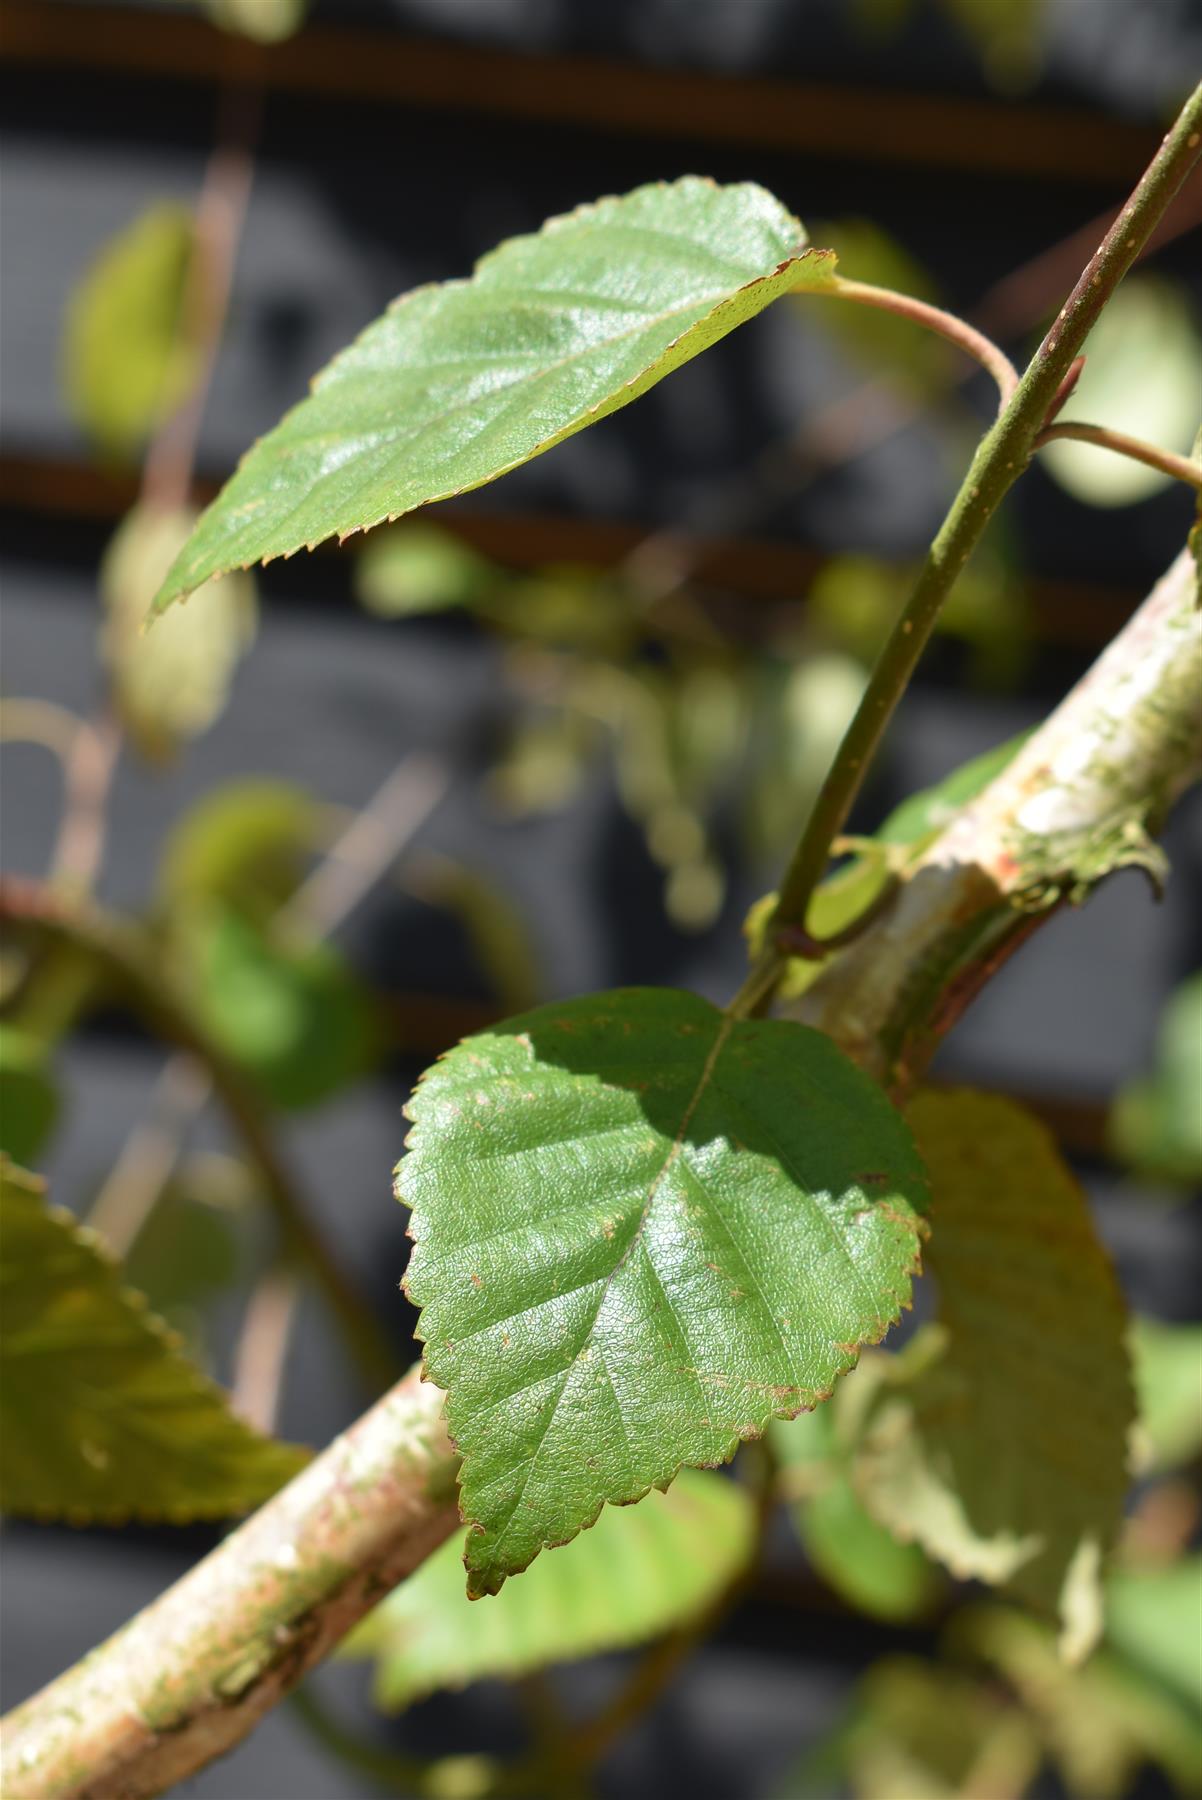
pixel 458 383
pixel 1005 1455
pixel 642 1229
pixel 638 1572
pixel 126 364
pixel 103 1419
pixel 168 684
pixel 246 843
pixel 292 1014
pixel 31 1102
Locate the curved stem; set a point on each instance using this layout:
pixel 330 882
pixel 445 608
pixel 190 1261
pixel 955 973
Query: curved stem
pixel 1001 457
pixel 1167 461
pixel 957 331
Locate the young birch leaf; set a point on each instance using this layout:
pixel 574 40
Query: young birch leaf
pixel 103 1419
pixel 1006 1455
pixel 642 1228
pixel 640 1571
pixel 458 383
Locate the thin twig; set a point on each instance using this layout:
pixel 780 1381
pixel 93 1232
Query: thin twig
pixel 88 775
pixel 1105 438
pixel 149 1155
pixel 263 1348
pixel 1001 457
pixel 946 325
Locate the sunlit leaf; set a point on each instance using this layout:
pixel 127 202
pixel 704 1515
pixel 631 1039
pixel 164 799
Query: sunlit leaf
pixel 246 843
pixel 1005 1456
pixel 126 363
pixel 31 1103
pixel 458 383
pixel 103 1419
pixel 640 1571
pixel 641 1230
pixel 1142 375
pixel 171 683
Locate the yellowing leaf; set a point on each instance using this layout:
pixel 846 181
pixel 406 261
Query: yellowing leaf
pixel 169 684
pixel 1005 1455
pixel 103 1419
pixel 640 1571
pixel 460 382
pixel 126 364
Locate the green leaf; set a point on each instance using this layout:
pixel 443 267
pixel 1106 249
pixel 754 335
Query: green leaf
pixel 125 362
pixel 458 383
pixel 246 843
pixel 31 1103
pixel 1155 1125
pixel 856 1557
pixel 922 816
pixel 1168 1380
pixel 844 896
pixel 639 1572
pixel 103 1419
pixel 171 683
pixel 1005 1455
pixel 1142 375
pixel 642 1228
pixel 417 568
pixel 292 1014
pixel 1154 1619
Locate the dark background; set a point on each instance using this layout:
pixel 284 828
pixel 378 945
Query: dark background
pixel 401 139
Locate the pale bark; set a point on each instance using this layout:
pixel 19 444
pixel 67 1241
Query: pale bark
pixel 190 1676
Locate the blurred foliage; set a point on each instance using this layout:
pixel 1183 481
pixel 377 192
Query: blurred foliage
pixel 103 1418
pixel 639 1572
pixel 1168 1379
pixel 31 1102
pixel 287 1009
pixel 126 363
pixel 1155 1123
pixel 1142 375
pixel 169 683
pixel 246 844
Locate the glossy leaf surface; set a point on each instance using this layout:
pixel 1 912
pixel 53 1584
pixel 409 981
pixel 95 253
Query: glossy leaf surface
pixel 642 1229
pixel 460 382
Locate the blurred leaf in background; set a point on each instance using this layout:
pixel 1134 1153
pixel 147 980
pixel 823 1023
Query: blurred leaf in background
pixel 1168 1380
pixel 289 1010
pixel 126 362
pixel 103 1418
pixel 864 1564
pixel 266 21
pixel 246 843
pixel 171 681
pixel 413 568
pixel 31 1100
pixel 1155 1124
pixel 637 1573
pixel 1142 375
